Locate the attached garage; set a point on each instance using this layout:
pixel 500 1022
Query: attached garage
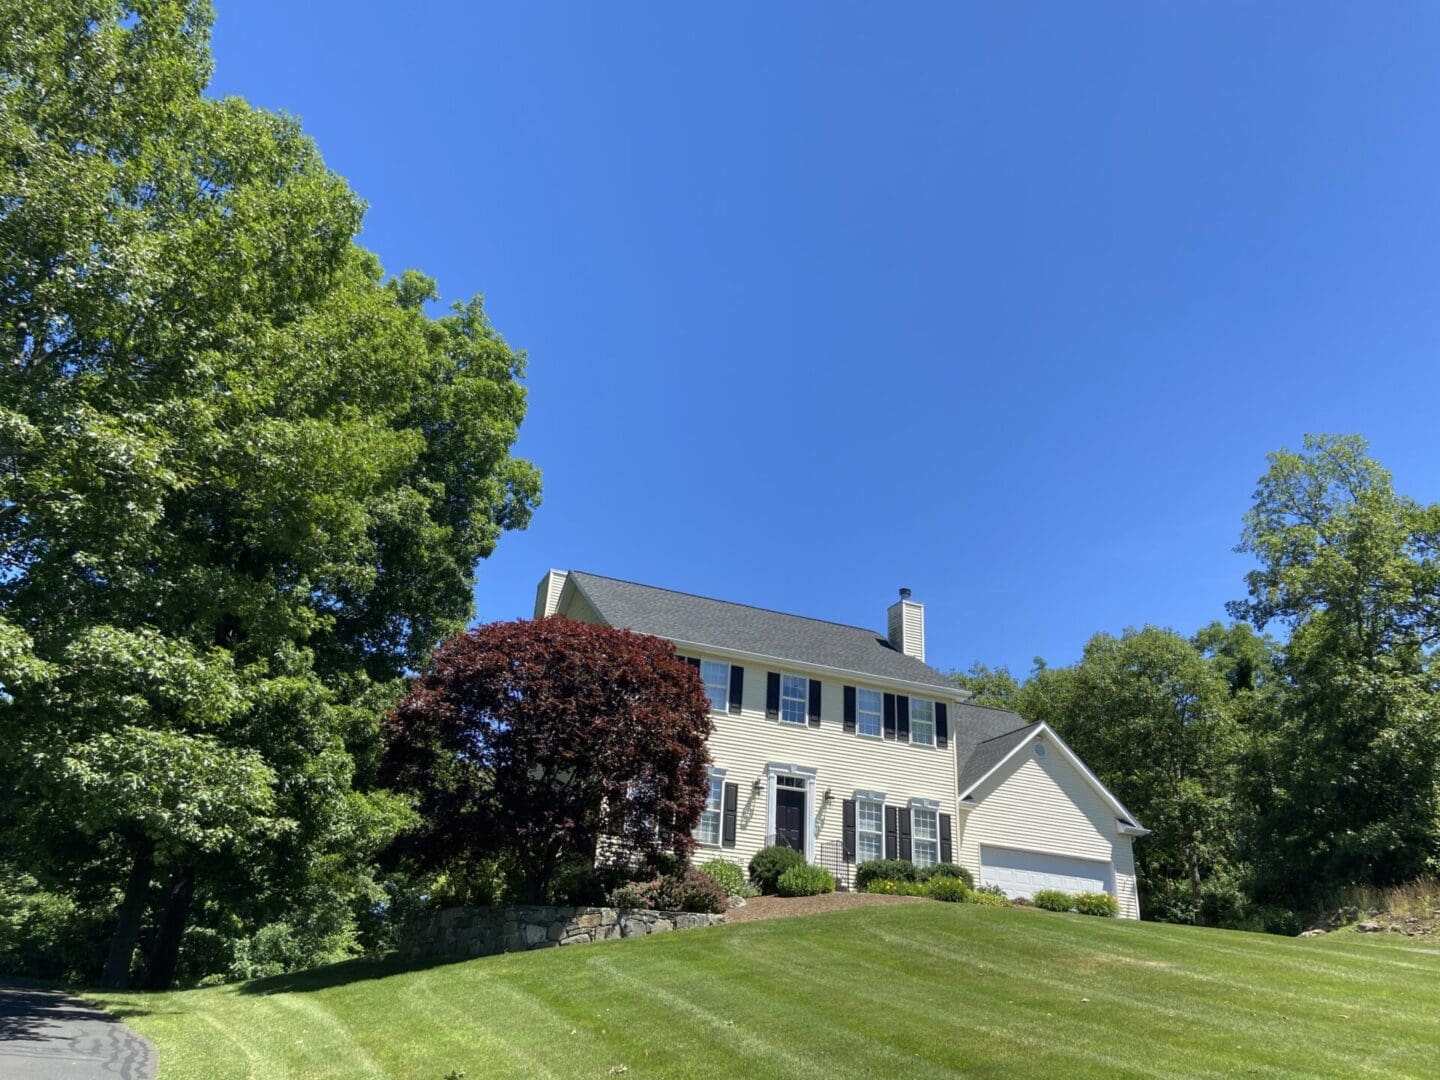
pixel 1021 873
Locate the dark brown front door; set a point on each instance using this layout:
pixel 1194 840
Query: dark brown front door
pixel 790 818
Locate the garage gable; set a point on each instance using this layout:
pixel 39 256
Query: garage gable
pixel 1038 788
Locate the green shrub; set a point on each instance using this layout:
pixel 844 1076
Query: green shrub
pixel 890 887
pixel 1096 903
pixel 769 863
pixel 952 890
pixel 1053 900
pixel 806 881
pixel 987 899
pixel 730 877
pixel 947 870
pixel 690 891
pixel 889 869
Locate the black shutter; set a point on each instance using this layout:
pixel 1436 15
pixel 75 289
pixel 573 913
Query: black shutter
pixel 727 815
pixel 772 695
pixel 889 716
pixel 693 661
pixel 850 710
pixel 849 830
pixel 892 833
pixel 902 717
pixel 947 849
pixel 904 816
pixel 942 726
pixel 737 688
pixel 814 703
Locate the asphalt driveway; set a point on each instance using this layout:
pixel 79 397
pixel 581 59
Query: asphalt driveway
pixel 47 1035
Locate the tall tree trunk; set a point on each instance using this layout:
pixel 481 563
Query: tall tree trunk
pixel 1195 883
pixel 132 909
pixel 165 953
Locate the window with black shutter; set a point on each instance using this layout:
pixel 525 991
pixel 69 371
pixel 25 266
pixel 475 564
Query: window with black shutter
pixel 737 687
pixel 902 719
pixel 903 815
pixel 814 703
pixel 727 821
pixel 849 695
pixel 947 845
pixel 848 830
pixel 772 695
pixel 892 832
pixel 889 716
pixel 942 725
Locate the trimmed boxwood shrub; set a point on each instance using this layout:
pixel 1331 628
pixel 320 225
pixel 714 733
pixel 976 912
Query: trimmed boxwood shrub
pixel 1096 903
pixel 806 881
pixel 889 869
pixel 769 863
pixel 1053 900
pixel 947 870
pixel 730 877
pixel 949 889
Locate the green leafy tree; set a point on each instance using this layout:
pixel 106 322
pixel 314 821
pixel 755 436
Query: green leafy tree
pixel 244 484
pixel 1152 717
pixel 995 687
pixel 1347 779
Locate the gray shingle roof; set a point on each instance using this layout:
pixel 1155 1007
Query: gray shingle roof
pixel 703 621
pixel 983 736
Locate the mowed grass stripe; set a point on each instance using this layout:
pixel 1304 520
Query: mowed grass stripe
pixel 917 990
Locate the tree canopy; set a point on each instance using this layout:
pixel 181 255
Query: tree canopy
pixel 1275 773
pixel 244 484
pixel 534 740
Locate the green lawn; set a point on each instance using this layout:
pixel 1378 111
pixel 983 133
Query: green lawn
pixel 908 990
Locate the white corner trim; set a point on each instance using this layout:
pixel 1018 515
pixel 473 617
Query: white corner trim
pixel 1043 730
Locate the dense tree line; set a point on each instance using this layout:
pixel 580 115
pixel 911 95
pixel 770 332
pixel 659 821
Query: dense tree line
pixel 245 481
pixel 1292 753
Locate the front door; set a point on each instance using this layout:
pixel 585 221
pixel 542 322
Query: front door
pixel 790 818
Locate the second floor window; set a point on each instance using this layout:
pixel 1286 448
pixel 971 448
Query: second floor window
pixel 793 698
pixel 716 677
pixel 922 722
pixel 868 714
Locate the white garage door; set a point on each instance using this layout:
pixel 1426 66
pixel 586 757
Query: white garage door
pixel 1020 873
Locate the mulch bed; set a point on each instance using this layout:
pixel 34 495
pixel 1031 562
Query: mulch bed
pixel 780 907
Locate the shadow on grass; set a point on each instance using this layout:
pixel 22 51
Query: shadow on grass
pixel 351 971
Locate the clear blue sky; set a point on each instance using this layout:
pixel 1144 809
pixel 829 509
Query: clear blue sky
pixel 1005 303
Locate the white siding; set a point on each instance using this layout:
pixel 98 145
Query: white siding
pixel 744 744
pixel 547 593
pixel 1045 805
pixel 906 627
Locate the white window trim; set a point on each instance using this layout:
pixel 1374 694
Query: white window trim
pixel 880 731
pixel 807 773
pixel 715 774
pixel 725 708
pixel 934 735
pixel 804 701
pixel 929 806
pixel 878 798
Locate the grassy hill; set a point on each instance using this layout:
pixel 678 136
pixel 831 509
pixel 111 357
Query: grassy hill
pixel 916 990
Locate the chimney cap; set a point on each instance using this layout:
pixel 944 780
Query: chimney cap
pixel 904 594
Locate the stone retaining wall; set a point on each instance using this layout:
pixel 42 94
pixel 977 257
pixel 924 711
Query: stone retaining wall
pixel 482 931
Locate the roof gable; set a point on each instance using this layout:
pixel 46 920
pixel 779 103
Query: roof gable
pixel 700 620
